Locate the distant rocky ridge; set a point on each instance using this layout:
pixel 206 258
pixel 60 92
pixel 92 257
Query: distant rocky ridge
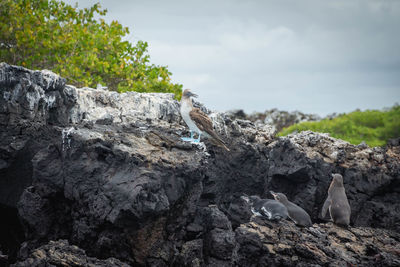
pixel 101 178
pixel 278 119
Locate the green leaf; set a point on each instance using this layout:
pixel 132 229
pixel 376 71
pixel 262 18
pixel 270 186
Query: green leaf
pixel 53 35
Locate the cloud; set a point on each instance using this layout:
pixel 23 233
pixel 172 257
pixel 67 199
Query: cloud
pixel 256 38
pixel 311 55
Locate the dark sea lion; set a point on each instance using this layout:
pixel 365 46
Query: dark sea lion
pixel 337 202
pixel 269 208
pixel 296 213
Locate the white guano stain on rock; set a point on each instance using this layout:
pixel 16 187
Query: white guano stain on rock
pixel 93 105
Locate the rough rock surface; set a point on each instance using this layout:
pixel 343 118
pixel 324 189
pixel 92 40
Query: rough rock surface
pixel 60 253
pixel 109 173
pixel 277 119
pixel 371 176
pixel 266 243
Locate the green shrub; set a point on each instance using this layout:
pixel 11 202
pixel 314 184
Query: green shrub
pixel 49 34
pixel 374 127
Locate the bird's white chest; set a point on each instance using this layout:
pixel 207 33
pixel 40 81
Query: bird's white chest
pixel 185 109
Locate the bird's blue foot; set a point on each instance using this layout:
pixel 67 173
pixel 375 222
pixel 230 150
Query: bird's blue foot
pixel 187 139
pixel 198 139
pixel 191 139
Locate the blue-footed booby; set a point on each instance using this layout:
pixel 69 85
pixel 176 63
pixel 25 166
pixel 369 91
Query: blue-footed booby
pixel 197 120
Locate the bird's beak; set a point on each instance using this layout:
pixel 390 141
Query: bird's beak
pixel 332 175
pixel 273 193
pixel 193 95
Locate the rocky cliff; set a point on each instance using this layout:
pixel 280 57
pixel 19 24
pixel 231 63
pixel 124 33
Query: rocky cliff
pixel 276 119
pixel 92 177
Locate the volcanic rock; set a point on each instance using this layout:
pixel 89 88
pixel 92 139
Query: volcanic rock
pixel 108 174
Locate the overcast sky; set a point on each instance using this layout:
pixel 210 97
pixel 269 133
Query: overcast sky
pixel 311 55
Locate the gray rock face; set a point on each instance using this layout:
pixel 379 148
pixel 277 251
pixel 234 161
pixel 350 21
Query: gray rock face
pixel 34 96
pixel 267 243
pixel 109 173
pixel 276 119
pixel 99 105
pixel 60 253
pixel 371 176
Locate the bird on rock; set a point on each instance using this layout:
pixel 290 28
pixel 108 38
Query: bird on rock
pixel 197 121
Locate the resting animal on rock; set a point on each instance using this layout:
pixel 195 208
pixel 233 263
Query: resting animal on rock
pixel 337 203
pixel 296 213
pixel 269 208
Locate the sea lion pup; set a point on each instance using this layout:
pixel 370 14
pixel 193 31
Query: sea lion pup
pixel 337 202
pixel 296 213
pixel 270 208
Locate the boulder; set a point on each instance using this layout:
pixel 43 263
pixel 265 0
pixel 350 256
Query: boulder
pixel 60 253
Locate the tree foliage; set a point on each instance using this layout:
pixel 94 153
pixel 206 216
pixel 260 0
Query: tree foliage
pixel 49 34
pixel 374 127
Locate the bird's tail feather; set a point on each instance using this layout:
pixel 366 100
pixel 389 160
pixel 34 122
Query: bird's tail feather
pixel 219 141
